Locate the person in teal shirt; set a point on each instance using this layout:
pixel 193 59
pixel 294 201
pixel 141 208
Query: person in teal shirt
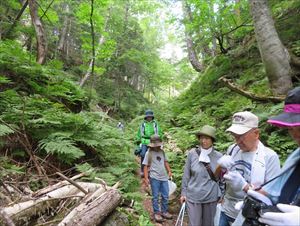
pixel 147 128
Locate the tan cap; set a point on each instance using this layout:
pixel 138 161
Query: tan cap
pixel 242 122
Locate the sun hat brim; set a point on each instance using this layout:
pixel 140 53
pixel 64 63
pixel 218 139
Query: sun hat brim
pixel 154 145
pixel 285 119
pixel 205 134
pixel 239 129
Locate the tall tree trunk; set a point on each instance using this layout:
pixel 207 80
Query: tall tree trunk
pixel 135 81
pixel 100 42
pixel 274 55
pixel 214 46
pixel 68 41
pixel 93 39
pixel 192 55
pixel 63 33
pixel 24 6
pixel 40 33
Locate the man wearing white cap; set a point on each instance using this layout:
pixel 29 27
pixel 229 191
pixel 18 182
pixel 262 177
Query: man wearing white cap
pixel 248 163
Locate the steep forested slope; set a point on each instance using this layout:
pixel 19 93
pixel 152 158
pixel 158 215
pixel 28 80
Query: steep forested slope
pixel 209 101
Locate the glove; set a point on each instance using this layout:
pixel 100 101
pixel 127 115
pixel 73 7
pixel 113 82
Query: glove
pixel 226 161
pixel 290 216
pixel 236 180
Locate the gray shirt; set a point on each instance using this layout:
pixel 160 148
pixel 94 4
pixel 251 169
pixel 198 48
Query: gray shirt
pixel 243 164
pixel 157 165
pixel 197 185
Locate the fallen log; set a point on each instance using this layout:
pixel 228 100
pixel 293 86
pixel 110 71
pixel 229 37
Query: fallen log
pixel 72 182
pixel 25 210
pixel 81 205
pixel 6 219
pixel 90 213
pixel 55 186
pixel 233 87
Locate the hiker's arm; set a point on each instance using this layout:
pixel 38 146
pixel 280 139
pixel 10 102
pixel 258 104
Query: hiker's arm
pixel 146 168
pixel 168 169
pixel 146 176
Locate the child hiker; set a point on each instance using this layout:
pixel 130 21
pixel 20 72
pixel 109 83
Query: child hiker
pixel 156 163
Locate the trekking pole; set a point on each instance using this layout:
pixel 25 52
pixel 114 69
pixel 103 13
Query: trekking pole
pixel 180 215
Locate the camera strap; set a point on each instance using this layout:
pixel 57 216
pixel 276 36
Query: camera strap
pixel 287 169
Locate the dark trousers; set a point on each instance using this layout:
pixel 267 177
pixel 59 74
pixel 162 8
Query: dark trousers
pixel 142 154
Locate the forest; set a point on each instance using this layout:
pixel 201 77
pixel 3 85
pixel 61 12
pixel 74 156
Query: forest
pixel 71 70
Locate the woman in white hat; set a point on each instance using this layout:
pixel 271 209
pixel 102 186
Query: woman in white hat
pixel 200 188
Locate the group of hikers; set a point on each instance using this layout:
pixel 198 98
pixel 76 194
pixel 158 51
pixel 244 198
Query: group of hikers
pixel 247 183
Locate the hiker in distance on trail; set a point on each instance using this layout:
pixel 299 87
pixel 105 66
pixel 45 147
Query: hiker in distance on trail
pixel 146 129
pixel 120 126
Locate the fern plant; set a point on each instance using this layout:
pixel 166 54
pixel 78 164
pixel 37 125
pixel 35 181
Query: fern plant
pixel 62 146
pixel 5 130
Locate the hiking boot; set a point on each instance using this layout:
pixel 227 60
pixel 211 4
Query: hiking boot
pixel 158 218
pixel 167 215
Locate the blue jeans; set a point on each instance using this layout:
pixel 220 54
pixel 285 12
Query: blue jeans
pixel 159 187
pixel 142 154
pixel 224 219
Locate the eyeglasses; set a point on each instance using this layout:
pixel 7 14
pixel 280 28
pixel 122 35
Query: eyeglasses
pixel 241 137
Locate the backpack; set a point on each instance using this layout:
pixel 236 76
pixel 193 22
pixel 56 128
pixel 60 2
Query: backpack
pixel 143 129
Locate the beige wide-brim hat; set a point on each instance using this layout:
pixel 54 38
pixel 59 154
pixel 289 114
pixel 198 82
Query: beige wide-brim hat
pixel 207 131
pixel 155 141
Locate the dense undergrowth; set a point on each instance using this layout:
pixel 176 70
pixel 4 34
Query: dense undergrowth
pixel 48 123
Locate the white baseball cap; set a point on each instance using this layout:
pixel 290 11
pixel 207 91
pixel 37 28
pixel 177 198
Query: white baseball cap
pixel 242 122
